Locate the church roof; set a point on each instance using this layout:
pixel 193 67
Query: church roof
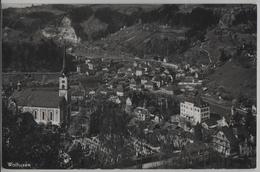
pixel 38 97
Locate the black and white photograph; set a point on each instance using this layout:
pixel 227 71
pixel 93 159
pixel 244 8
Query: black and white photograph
pixel 129 86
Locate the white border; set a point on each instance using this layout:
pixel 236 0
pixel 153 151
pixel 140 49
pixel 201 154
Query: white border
pixel 132 1
pixel 160 2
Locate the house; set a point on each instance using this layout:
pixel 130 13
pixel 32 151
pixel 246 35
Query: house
pixel 114 99
pixel 128 105
pixel 245 148
pixel 175 119
pixel 144 80
pixel 77 95
pixel 190 81
pixel 139 87
pixel 169 78
pixel 120 91
pixel 166 71
pixel 91 92
pixel 222 122
pixel 163 78
pixel 184 124
pixel 224 141
pixel 135 64
pixel 141 113
pixel 138 71
pixel 155 118
pixel 78 69
pixel 122 71
pixel 246 141
pixel 194 69
pixel 180 75
pixel 129 72
pixel 187 66
pixel 157 81
pixel 195 110
pixel 132 84
pixel 214 121
pixel 47 105
pixel 196 75
pixel 105 69
pixel 149 85
pixel 103 90
pixel 87 61
pixel 167 89
pixel 90 66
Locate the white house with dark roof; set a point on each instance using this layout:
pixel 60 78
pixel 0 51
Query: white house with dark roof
pixel 47 104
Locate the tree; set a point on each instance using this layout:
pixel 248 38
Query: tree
pixel 25 141
pixel 198 132
pixel 76 154
pixel 251 123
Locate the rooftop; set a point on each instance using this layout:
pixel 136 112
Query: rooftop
pixel 197 101
pixel 228 132
pixel 40 97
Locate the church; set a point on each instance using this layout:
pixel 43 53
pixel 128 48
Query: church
pixel 47 105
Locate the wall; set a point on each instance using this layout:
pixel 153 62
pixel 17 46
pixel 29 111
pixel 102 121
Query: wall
pixel 38 111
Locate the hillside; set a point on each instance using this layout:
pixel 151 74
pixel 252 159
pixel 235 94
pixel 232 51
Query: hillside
pixel 232 79
pixel 146 39
pixel 195 34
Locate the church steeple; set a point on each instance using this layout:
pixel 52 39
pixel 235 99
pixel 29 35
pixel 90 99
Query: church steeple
pixel 64 68
pixel 63 80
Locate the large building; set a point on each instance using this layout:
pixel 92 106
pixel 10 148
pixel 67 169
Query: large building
pixel 47 105
pixel 195 110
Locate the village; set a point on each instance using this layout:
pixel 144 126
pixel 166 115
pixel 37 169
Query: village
pixel 129 86
pixel 159 106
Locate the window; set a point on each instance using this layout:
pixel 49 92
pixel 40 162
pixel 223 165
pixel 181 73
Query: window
pixel 63 86
pixel 51 116
pixel 43 115
pixel 35 114
pixel 63 81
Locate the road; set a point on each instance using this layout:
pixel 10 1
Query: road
pixel 201 47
